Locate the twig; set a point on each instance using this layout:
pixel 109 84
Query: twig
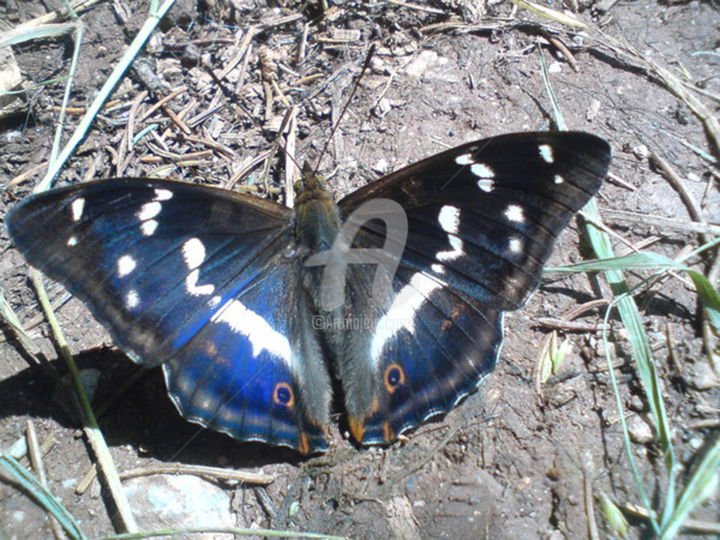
pixel 35 456
pixel 216 473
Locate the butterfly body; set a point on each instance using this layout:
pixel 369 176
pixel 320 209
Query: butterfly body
pixel 253 309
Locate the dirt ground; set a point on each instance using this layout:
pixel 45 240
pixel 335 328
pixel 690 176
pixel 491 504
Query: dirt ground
pixel 510 462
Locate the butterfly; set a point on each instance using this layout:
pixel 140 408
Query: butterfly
pixel 257 314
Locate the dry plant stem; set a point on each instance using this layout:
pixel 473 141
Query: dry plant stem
pixel 710 423
pixel 221 148
pixel 177 158
pixel 86 480
pixel 27 174
pixel 243 69
pixel 251 164
pixel 593 532
pixel 620 182
pixel 418 7
pixel 35 456
pixel 292 172
pixel 77 5
pixel 215 473
pixel 662 223
pixel 302 46
pixel 679 186
pixel 243 50
pixel 163 101
pixel 704 527
pixel 131 118
pixel 177 120
pixel 570 326
pixel 559 45
pixel 90 427
pixel 709 338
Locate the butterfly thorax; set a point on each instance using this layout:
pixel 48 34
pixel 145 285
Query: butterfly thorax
pixel 317 218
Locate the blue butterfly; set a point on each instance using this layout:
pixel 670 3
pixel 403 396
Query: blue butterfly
pixel 219 289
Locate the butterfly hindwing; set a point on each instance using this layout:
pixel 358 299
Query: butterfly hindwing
pixel 415 357
pixel 257 377
pixel 482 220
pixel 195 279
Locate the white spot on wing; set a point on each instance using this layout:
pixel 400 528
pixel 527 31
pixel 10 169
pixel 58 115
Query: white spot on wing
pixel 449 219
pixel 149 210
pixel 438 268
pixel 197 290
pixel 483 171
pixel 559 179
pixel 486 185
pixel 515 245
pixel 546 152
pixel 163 195
pixel 465 159
pixel 148 227
pixel 125 265
pixel 132 299
pixel 72 241
pixel 193 252
pixel 77 207
pixel 515 213
pixel 402 312
pixel 262 336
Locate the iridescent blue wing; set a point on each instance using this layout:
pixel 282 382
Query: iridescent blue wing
pixel 482 220
pixel 201 281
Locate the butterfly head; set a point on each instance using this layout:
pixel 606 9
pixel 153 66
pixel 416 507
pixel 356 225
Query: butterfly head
pixel 310 185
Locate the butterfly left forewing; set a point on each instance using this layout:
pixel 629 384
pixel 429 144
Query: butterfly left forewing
pixel 482 219
pixel 147 256
pixel 198 280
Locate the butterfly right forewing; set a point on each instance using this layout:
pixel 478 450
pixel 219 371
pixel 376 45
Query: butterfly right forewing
pixel 482 219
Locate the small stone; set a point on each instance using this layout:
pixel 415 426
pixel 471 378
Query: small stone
pixel 634 403
pixel 695 443
pixel 381 166
pixel 427 64
pixel 641 151
pixel 382 108
pixel 179 501
pixel 704 377
pixel 640 431
pixel 379 66
pixel 592 110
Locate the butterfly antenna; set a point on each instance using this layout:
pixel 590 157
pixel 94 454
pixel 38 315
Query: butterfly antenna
pixel 366 65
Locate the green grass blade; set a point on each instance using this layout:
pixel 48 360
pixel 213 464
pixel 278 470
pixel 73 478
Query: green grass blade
pixel 703 483
pixel 630 315
pixel 42 496
pixel 644 260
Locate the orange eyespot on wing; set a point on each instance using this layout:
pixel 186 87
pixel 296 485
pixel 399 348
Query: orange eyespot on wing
pixel 283 395
pixel 394 377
